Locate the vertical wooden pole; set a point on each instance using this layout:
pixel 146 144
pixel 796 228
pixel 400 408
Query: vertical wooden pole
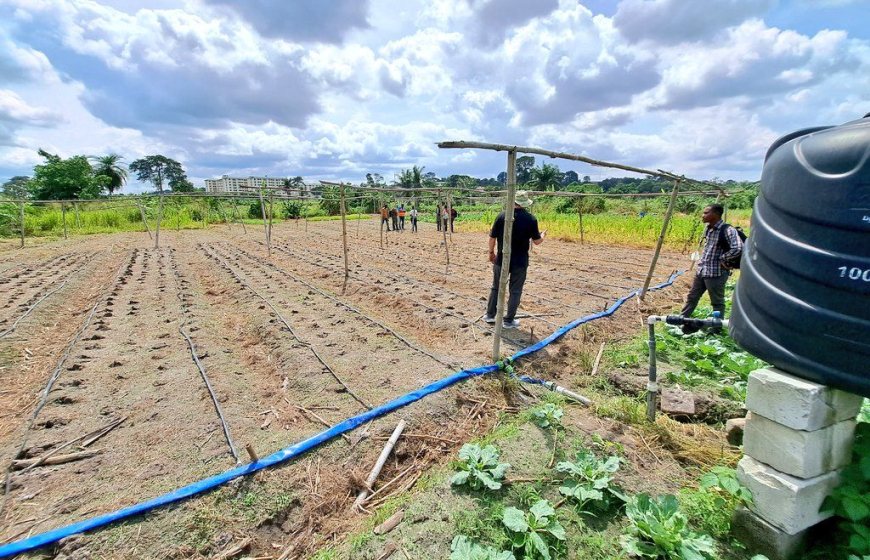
pixel 506 251
pixel 144 221
pixel 580 215
pixel 446 248
pixel 178 209
pixel 76 210
pixel 63 213
pixel 271 213
pixel 159 219
pixel 238 217
pixel 21 220
pixel 661 240
pixel 344 240
pixel 450 214
pixel 204 204
pixel 265 224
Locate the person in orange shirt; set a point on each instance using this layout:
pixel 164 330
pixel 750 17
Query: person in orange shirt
pixel 401 217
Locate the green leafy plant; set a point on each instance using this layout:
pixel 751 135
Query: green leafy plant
pixel 464 549
pixel 851 499
pixel 590 479
pixel 711 506
pixel 548 416
pixel 658 529
pixel 536 533
pixel 479 467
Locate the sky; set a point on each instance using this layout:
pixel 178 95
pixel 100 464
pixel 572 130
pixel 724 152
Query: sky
pixel 335 89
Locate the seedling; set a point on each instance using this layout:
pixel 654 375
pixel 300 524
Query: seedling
pixel 535 533
pixel 463 549
pixel 548 416
pixel 659 530
pixel 589 479
pixel 479 467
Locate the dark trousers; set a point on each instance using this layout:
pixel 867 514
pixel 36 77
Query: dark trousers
pixel 413 225
pixel 516 280
pixel 395 223
pixel 714 286
pixel 402 222
pixel 387 222
pixel 438 222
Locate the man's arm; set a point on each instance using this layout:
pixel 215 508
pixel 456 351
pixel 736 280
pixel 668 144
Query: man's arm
pixel 540 240
pixel 492 255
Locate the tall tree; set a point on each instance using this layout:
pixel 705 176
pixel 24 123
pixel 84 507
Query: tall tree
pixel 16 187
pixel 110 166
pixel 546 178
pixel 156 170
pixel 525 164
pixel 64 179
pixel 570 177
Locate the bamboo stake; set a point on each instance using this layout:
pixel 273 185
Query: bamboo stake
pixel 450 214
pixel 360 498
pixel 344 241
pixel 580 215
pixel 444 226
pixel 271 213
pixel 76 210
pixel 159 219
pixel 266 225
pixel 652 265
pixel 598 360
pixel 144 221
pixel 507 234
pixel 238 217
pixel 63 213
pixel 21 221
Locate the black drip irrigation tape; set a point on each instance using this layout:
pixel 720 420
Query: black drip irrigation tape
pixel 346 305
pixel 306 445
pixel 286 323
pixel 193 353
pixel 55 374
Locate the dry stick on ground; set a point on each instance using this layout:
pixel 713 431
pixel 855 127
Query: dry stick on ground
pixel 389 483
pixel 56 460
pixel 235 550
pixel 55 374
pixel 88 438
pixel 360 498
pixel 316 417
pixel 292 332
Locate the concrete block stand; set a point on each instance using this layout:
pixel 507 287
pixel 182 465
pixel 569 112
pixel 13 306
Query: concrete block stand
pixel 798 436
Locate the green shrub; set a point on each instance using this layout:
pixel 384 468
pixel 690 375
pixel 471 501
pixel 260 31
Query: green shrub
pixel 657 529
pixel 536 533
pixel 479 467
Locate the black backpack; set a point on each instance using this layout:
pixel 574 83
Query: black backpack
pixel 734 260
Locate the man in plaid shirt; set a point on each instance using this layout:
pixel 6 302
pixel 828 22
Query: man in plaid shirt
pixel 712 274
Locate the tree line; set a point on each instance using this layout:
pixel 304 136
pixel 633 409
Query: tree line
pixel 87 177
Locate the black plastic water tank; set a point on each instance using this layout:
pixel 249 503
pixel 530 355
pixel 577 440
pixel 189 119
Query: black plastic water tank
pixel 802 301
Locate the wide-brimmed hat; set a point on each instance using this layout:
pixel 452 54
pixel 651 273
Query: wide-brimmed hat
pixel 523 199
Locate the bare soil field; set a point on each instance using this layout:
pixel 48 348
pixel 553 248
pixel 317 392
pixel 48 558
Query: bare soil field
pixel 119 352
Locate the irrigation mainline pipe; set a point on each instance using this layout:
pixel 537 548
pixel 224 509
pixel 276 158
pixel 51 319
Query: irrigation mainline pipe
pixel 194 354
pixel 297 449
pixel 55 374
pixel 281 318
pixel 407 342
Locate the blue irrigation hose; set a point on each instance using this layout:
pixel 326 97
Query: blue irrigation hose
pixel 303 446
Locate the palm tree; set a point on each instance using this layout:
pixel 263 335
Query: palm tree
pixel 546 178
pixel 110 166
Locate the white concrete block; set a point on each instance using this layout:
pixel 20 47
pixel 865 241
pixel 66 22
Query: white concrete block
pixel 797 403
pixel 784 501
pixel 797 452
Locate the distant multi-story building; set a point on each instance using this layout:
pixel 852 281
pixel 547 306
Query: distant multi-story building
pixel 227 184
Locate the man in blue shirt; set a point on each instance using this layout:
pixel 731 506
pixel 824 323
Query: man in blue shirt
pixel 712 275
pixel 525 228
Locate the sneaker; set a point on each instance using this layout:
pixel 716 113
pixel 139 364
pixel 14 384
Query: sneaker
pixel 488 319
pixel 513 324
